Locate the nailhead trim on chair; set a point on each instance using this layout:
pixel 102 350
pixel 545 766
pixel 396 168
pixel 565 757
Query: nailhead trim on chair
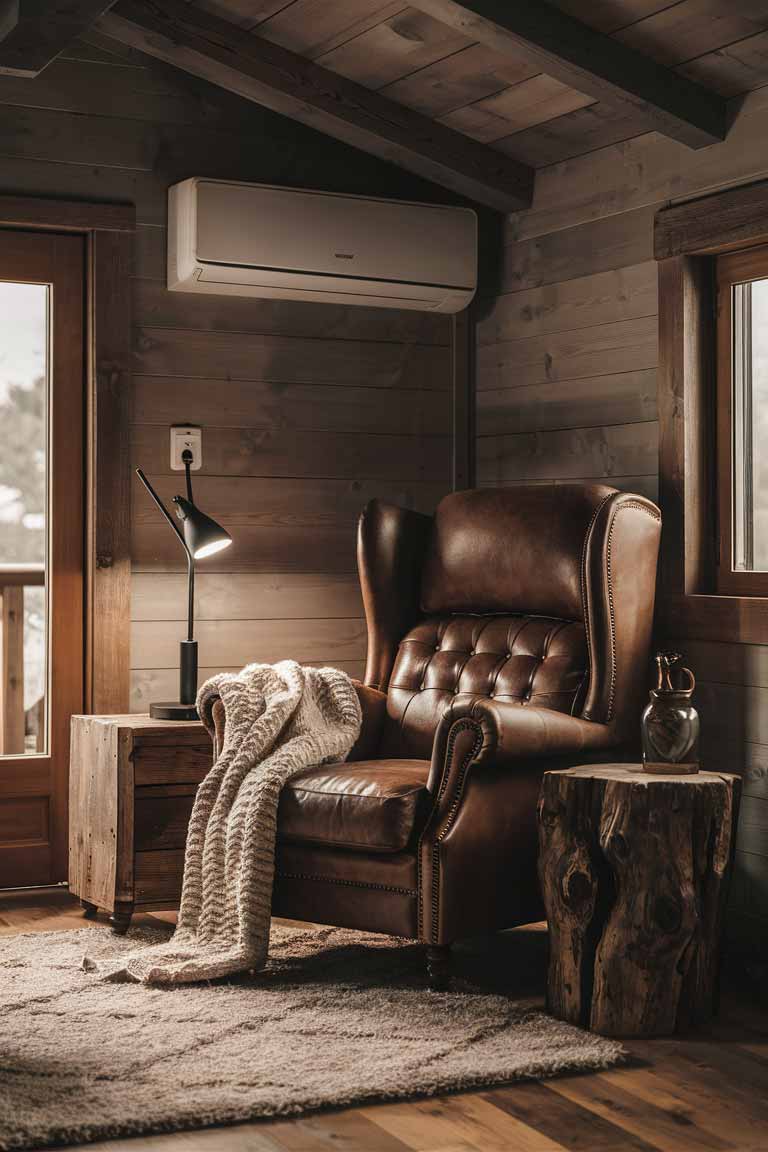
pixel 459 726
pixel 583 574
pixel 611 610
pixel 347 883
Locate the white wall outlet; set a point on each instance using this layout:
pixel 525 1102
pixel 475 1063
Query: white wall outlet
pixel 186 436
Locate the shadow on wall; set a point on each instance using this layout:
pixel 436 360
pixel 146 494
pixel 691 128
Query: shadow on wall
pixel 732 699
pixel 490 257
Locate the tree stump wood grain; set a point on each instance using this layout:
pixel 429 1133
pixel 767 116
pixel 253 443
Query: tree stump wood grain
pixel 634 872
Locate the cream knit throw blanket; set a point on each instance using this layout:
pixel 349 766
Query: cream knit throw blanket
pixel 280 719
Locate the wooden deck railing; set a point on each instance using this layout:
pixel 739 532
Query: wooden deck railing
pixel 14 578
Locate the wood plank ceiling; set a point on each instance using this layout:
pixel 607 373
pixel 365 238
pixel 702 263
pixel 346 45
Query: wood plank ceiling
pixel 473 94
pixel 34 32
pixel 503 100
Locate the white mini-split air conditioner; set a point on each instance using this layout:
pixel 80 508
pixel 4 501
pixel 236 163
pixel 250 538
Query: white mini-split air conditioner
pixel 238 239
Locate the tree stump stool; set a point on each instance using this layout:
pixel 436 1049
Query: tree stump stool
pixel 634 871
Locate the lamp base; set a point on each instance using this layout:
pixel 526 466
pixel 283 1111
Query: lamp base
pixel 167 710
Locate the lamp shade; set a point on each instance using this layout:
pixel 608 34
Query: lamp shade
pixel 202 535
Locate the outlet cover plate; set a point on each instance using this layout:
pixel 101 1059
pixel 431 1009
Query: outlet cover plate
pixel 186 436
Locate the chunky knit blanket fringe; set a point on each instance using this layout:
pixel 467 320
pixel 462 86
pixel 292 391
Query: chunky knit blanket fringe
pixel 280 719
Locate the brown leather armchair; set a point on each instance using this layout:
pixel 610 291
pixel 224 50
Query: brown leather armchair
pixel 507 635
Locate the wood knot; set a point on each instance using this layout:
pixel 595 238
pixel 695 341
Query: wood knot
pixel 548 816
pixel 667 913
pixel 577 889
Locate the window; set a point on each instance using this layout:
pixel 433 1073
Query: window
pixel 713 415
pixel 742 422
pixel 24 465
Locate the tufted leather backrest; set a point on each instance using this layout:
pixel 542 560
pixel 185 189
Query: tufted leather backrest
pixel 521 659
pixel 537 595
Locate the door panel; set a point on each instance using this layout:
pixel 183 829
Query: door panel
pixel 42 417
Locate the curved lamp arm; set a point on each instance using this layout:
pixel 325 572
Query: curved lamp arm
pixel 182 541
pixel 163 509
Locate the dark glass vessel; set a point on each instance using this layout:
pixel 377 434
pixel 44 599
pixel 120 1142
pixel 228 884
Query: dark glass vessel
pixel 670 723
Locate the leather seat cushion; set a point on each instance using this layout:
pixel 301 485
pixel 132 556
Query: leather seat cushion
pixel 369 805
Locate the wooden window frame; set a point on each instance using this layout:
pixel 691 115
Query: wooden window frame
pixel 109 230
pixel 688 238
pixel 732 268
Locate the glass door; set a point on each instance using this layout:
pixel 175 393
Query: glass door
pixel 42 413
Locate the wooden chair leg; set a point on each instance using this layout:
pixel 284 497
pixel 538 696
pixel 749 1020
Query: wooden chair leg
pixel 438 966
pixel 121 917
pixel 89 909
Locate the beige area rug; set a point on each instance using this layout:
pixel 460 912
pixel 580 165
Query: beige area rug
pixel 337 1018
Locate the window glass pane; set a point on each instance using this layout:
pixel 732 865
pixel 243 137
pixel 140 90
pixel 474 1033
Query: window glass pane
pixel 759 358
pixel 24 328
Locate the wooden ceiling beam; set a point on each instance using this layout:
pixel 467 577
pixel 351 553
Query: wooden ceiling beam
pixel 591 63
pixel 34 32
pixel 269 74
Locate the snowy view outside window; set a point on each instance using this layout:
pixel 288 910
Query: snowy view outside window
pixel 23 441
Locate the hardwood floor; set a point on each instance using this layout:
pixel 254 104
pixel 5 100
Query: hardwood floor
pixel 703 1093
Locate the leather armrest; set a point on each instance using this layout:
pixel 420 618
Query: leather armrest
pixel 478 849
pixel 372 702
pixel 509 734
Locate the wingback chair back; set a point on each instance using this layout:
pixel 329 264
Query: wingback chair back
pixel 536 595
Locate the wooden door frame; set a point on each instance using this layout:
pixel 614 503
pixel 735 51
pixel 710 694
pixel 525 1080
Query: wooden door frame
pixel 109 230
pixel 34 787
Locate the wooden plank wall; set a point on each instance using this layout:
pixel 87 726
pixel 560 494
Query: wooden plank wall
pixel 307 410
pixel 566 379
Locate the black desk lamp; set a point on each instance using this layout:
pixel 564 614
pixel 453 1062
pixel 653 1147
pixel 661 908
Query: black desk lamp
pixel 200 537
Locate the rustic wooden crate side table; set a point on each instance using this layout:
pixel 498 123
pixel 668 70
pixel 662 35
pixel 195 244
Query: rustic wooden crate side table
pixel 634 871
pixel 132 783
